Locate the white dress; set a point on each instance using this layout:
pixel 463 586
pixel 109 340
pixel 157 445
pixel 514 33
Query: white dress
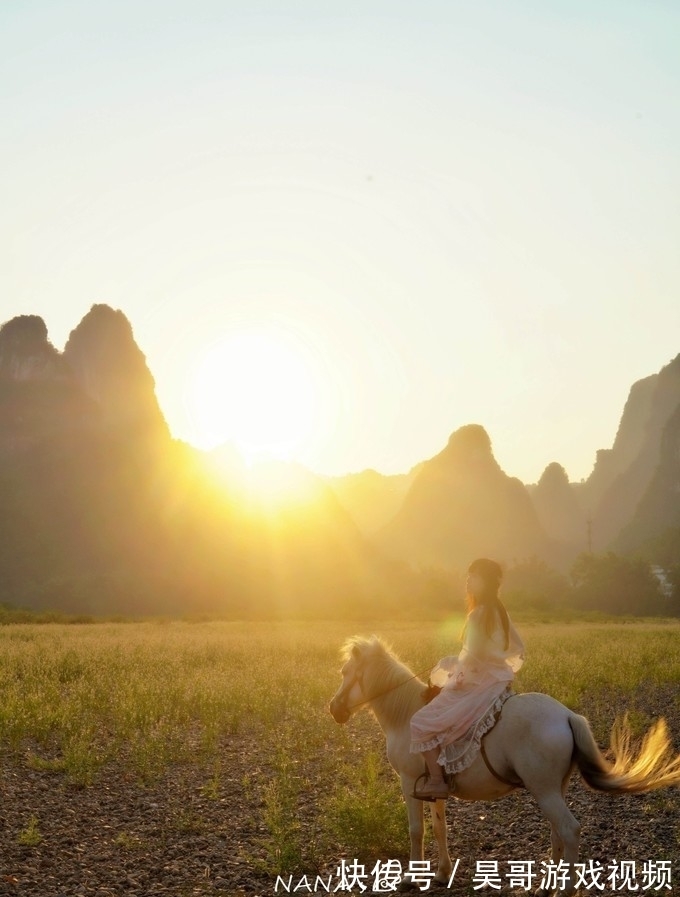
pixel 474 685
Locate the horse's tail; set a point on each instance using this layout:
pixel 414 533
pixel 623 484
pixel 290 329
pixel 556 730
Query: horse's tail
pixel 652 766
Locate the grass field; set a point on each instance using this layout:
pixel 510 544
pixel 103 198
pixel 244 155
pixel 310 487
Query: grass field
pixel 78 700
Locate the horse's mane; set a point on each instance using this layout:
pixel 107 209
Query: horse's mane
pixel 398 691
pixel 359 644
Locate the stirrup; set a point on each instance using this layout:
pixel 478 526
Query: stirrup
pixel 431 798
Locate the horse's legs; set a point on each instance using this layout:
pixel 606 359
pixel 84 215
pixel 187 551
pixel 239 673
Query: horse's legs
pixel 444 866
pixel 416 829
pixel 556 844
pixel 415 817
pixel 565 834
pixel 556 841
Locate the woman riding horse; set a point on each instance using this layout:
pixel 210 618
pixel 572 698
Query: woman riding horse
pixel 448 731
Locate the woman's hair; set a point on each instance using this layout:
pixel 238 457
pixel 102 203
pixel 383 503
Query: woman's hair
pixel 491 574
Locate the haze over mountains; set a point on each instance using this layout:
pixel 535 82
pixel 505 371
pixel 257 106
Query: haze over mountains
pixel 103 511
pixel 460 503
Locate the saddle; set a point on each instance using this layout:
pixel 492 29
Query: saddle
pixel 431 691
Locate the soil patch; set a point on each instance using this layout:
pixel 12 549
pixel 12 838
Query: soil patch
pixel 191 833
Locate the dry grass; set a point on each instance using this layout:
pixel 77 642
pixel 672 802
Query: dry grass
pixel 147 697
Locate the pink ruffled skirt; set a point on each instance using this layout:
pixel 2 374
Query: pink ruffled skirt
pixel 456 721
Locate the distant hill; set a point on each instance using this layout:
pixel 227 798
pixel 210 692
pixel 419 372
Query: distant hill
pixel 559 509
pixel 659 508
pixel 461 505
pixel 372 498
pixel 40 399
pixel 103 512
pixel 106 362
pixel 624 473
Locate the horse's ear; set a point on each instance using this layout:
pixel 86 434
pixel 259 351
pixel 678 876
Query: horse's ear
pixel 356 653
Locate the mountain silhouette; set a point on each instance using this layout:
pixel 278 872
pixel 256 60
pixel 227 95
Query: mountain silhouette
pixel 75 479
pixel 26 354
pixel 623 474
pixel 659 508
pixel 39 396
pixel 109 366
pixel 103 512
pixel 559 509
pixel 372 498
pixel 462 505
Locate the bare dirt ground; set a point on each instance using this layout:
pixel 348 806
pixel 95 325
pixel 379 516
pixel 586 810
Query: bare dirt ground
pixel 185 834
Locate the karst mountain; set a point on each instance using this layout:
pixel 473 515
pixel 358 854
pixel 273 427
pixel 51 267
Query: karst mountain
pixel 103 512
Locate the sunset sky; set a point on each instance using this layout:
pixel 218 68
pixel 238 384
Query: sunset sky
pixel 342 230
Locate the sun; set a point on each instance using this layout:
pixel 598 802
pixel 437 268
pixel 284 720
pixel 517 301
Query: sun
pixel 256 389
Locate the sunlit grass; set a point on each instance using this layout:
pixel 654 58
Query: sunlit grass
pixel 145 696
pixel 30 835
pixel 361 810
pixel 151 692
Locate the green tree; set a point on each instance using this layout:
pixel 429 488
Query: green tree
pixel 617 585
pixel 673 576
pixel 533 584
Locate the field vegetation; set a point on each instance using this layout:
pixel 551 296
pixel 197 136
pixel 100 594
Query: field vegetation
pixel 241 708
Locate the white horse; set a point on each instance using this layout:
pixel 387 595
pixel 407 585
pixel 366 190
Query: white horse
pixel 535 744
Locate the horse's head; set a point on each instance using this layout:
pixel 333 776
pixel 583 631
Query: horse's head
pixel 357 655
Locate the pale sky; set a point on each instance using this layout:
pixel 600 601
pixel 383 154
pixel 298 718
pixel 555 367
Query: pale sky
pixel 438 213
